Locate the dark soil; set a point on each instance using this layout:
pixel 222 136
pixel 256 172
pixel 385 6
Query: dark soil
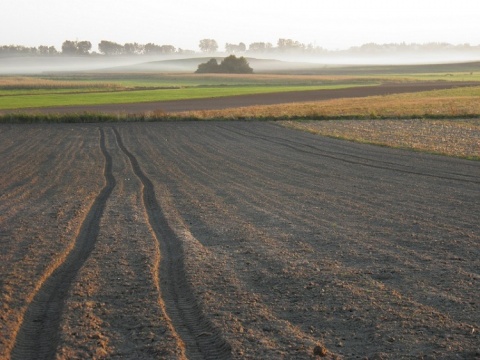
pixel 236 239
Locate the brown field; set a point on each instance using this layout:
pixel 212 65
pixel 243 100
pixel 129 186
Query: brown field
pixel 23 82
pixel 372 103
pixel 243 240
pixel 460 138
pixel 388 99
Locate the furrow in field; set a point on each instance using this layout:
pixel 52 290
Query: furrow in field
pixel 328 247
pixel 114 307
pixel 201 339
pixel 354 159
pixel 37 336
pixel 40 222
pixel 40 176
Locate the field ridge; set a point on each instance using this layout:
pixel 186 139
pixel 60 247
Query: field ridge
pixel 201 339
pixel 37 337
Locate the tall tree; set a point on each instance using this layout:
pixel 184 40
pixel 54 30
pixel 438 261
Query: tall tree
pixel 167 49
pixel 208 45
pixel 69 47
pixel 152 48
pixel 133 48
pixel 233 48
pixel 260 47
pixel 76 47
pixel 289 45
pixel 47 50
pixel 84 47
pixel 110 48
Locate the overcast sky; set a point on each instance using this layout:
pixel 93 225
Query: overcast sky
pixel 333 24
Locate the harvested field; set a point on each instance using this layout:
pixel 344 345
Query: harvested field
pixel 459 138
pixel 233 240
pixel 227 102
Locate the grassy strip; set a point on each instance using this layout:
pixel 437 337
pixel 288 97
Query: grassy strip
pixel 460 103
pixel 122 97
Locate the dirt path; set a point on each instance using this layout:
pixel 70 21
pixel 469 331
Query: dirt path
pixel 233 240
pixel 247 100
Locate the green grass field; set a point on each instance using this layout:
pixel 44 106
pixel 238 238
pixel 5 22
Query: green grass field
pixel 97 88
pixel 20 100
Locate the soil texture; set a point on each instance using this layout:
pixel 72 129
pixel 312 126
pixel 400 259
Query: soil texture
pixel 241 240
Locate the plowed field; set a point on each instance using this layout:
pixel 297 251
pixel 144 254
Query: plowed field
pixel 233 240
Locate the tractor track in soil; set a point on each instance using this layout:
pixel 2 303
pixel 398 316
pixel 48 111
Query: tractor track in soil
pixel 200 338
pixel 37 336
pixel 297 242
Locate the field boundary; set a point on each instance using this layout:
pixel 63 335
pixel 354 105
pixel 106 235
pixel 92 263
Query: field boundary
pixel 168 110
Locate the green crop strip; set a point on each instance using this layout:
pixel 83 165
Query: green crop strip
pixel 119 97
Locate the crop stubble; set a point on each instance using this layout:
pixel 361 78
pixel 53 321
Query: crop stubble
pixel 287 240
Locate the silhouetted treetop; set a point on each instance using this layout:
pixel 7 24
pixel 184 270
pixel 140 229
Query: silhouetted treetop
pixel 229 65
pixel 76 47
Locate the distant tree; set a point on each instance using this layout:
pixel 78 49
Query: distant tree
pixel 289 45
pixel 185 51
pixel 233 48
pixel 110 48
pixel 133 49
pixel 69 47
pixel 76 47
pixel 152 48
pixel 260 47
pixel 168 49
pixel 229 65
pixel 208 45
pixel 234 65
pixel 211 66
pixel 10 50
pixel 84 47
pixel 47 50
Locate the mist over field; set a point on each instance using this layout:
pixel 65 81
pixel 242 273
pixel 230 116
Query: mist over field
pixel 29 65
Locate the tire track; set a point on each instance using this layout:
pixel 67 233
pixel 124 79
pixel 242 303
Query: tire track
pixel 201 339
pixel 37 337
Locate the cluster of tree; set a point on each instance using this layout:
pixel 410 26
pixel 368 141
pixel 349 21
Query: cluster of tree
pixel 233 48
pixel 208 45
pixel 283 46
pixel 23 50
pixel 373 48
pixel 229 65
pixel 295 47
pixel 76 47
pixel 111 48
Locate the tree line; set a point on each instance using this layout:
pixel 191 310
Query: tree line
pixel 210 46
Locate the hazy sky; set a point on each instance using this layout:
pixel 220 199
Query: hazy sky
pixel 334 24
